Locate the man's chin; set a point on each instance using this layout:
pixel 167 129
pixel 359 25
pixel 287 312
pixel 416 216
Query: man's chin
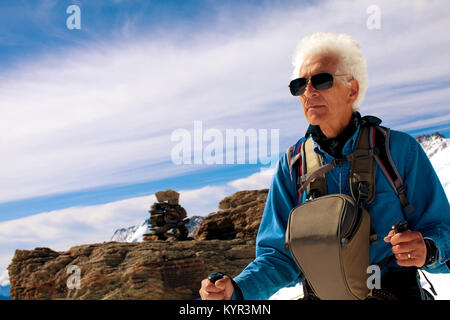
pixel 315 118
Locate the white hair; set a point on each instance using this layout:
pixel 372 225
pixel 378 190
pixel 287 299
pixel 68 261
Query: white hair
pixel 350 58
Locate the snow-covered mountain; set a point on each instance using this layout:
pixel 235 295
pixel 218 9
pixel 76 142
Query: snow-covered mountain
pixel 193 225
pixel 122 234
pixel 437 147
pixel 131 234
pixel 135 233
pixel 432 143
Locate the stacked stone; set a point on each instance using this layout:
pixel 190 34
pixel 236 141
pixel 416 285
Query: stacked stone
pixel 167 218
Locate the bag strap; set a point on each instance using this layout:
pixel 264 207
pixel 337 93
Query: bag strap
pixel 317 183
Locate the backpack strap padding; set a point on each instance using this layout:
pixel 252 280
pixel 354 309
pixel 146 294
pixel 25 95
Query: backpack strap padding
pixel 314 162
pixel 362 167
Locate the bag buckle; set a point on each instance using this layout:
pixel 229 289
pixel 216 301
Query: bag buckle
pixel 363 192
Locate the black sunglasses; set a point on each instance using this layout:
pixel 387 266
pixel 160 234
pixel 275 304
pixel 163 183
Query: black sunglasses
pixel 320 81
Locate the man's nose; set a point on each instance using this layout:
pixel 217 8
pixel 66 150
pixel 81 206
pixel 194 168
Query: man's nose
pixel 310 91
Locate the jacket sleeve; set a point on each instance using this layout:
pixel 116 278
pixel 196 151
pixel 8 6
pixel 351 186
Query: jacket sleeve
pixel 273 267
pixel 431 214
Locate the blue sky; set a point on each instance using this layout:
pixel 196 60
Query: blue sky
pixel 87 115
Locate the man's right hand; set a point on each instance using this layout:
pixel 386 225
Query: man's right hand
pixel 221 290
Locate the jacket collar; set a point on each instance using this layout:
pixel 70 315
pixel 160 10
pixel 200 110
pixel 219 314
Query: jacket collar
pixel 336 147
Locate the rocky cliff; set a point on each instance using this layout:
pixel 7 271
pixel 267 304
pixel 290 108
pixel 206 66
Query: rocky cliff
pixel 239 218
pixel 120 270
pixel 144 270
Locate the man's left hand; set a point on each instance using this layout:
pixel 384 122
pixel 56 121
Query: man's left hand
pixel 409 248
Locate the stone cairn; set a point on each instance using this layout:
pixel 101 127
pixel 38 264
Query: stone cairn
pixel 167 218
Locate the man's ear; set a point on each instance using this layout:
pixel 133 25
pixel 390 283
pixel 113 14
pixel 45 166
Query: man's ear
pixel 354 91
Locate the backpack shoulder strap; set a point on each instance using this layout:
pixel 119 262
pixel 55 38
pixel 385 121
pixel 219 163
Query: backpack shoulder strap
pixel 362 170
pixel 318 185
pixel 381 140
pixel 302 160
pixel 294 160
pixel 293 155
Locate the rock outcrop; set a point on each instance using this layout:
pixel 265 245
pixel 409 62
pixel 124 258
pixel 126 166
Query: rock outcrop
pixel 119 270
pixel 239 218
pixel 150 270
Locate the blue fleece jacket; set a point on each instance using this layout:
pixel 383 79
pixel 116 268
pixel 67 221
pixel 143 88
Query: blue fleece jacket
pixel 274 268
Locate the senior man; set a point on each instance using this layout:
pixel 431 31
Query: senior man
pixel 330 77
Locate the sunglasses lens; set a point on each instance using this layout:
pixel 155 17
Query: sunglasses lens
pixel 297 86
pixel 322 81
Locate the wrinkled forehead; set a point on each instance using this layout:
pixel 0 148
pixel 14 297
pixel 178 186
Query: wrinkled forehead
pixel 318 63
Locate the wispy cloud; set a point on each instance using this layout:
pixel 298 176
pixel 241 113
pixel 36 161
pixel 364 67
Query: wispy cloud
pixel 255 181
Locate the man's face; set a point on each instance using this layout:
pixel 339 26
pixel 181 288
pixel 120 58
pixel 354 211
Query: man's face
pixel 330 107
